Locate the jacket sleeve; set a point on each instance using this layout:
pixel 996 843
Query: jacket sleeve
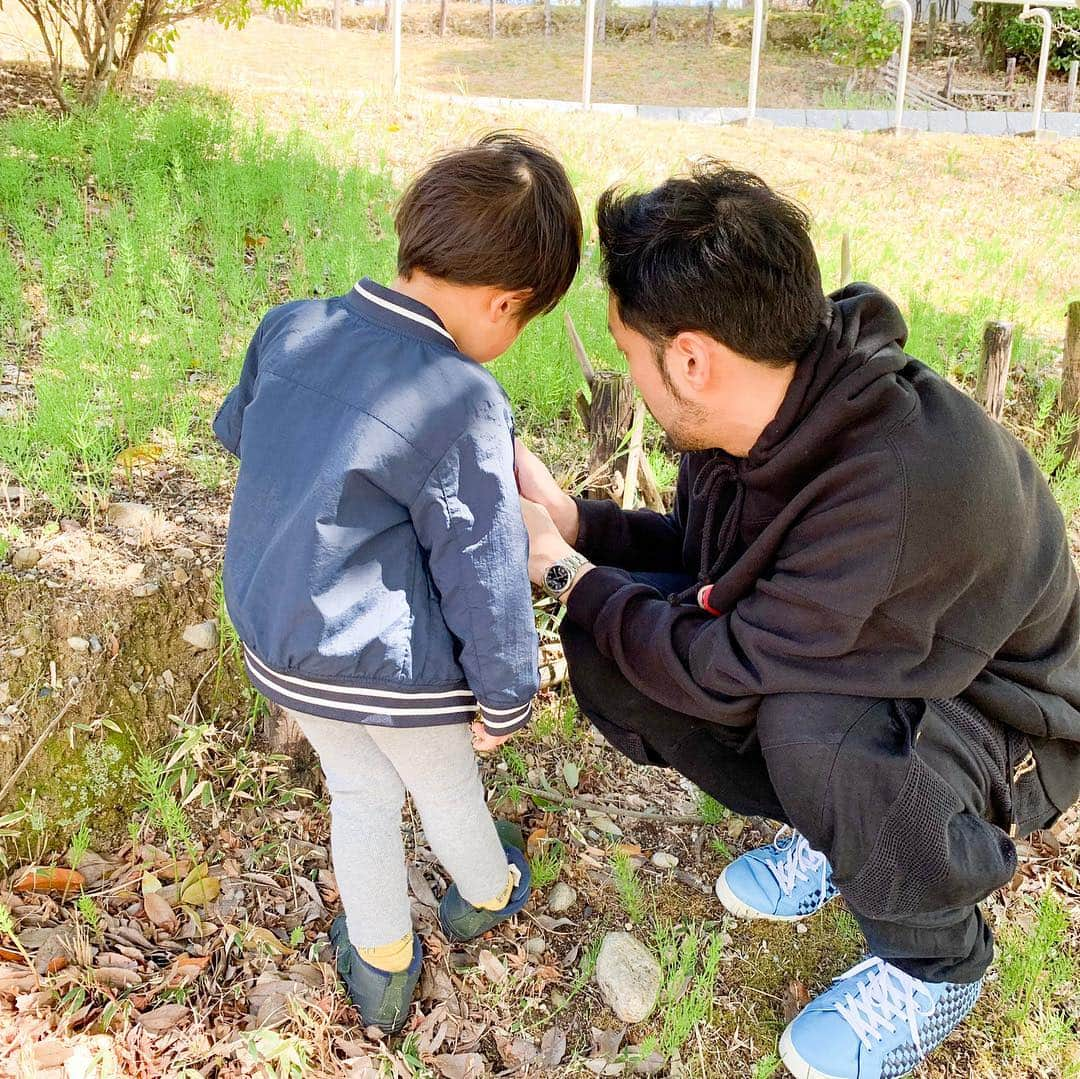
pixel 229 421
pixel 640 540
pixel 468 518
pixel 813 624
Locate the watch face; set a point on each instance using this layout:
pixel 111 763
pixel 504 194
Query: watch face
pixel 557 578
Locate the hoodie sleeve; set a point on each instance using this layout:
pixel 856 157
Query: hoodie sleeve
pixel 468 518
pixel 639 540
pixel 813 625
pixel 229 421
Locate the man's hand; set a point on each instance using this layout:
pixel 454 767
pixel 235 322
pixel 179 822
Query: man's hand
pixel 483 741
pixel 538 485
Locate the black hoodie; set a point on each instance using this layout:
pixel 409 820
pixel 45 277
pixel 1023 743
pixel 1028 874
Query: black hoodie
pixel 883 538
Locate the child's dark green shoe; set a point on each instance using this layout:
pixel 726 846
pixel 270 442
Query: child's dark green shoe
pixel 462 921
pixel 382 999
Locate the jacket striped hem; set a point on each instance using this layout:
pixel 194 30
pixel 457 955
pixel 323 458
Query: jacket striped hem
pixel 404 708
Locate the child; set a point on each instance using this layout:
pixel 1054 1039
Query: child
pixel 376 561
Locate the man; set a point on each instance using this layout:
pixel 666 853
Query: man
pixel 860 619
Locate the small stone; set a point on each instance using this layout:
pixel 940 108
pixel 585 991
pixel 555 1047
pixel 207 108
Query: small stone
pixel 69 524
pixel 800 928
pixel 168 679
pixel 183 554
pixel 562 898
pixel 203 637
pixel 662 860
pixel 95 644
pixel 78 644
pixel 536 946
pixel 180 577
pixel 629 977
pixel 25 558
pixel 133 515
pixel 141 591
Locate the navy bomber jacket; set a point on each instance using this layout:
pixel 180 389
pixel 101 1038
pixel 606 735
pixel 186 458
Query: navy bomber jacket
pixel 376 563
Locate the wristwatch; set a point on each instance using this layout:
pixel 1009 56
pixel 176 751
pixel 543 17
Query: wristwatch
pixel 560 576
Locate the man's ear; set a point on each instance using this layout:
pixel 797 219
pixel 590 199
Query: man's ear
pixel 690 361
pixel 507 304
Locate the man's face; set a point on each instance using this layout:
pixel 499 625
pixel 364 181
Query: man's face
pixel 683 419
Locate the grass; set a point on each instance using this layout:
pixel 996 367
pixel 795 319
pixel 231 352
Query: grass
pixel 1037 977
pixel 690 958
pixel 628 886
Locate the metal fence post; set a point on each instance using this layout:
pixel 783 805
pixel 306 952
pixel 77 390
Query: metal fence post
pixel 905 54
pixel 756 43
pixel 586 76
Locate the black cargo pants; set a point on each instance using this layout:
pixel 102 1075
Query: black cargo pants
pixel 913 802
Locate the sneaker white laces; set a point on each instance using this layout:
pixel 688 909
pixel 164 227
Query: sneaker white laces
pixel 799 863
pixel 886 994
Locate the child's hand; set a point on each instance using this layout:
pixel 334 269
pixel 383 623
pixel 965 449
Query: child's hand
pixel 483 742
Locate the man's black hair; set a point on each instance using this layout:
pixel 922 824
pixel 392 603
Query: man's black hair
pixel 717 251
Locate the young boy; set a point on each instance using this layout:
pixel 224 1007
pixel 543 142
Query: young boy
pixel 375 568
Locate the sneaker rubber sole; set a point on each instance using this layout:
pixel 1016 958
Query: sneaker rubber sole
pixel 734 905
pixel 794 1062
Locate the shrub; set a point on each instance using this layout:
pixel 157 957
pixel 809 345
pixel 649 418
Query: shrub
pixel 856 33
pixel 1002 34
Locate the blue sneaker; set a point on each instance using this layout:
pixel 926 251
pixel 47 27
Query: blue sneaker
pixel 783 882
pixel 876 1022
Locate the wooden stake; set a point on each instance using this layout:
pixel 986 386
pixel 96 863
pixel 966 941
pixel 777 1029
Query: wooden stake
pixel 444 11
pixel 578 348
pixel 335 14
pixel 931 28
pixel 491 19
pixel 845 259
pixel 1070 92
pixel 949 69
pixel 1010 73
pixel 633 460
pixel 710 24
pixel 994 367
pixel 547 18
pixel 601 21
pixel 654 20
pixel 650 489
pixel 1069 396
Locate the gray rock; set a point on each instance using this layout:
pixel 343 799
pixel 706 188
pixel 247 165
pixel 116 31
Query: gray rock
pixel 141 591
pixel 203 637
pixel 183 554
pixel 95 644
pixel 562 898
pixel 628 975
pixel 78 644
pixel 131 515
pixel 662 860
pixel 26 558
pixel 536 946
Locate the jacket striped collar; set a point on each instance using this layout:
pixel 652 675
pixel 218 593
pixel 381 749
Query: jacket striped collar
pixel 391 309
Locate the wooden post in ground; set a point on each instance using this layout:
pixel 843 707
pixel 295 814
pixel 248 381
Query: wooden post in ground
pixel 1069 396
pixel 610 414
pixel 335 14
pixel 710 24
pixel 757 41
pixel 633 460
pixel 994 367
pixel 1010 73
pixel 491 20
pixel 547 18
pixel 444 11
pixel 949 70
pixel 1070 92
pixel 845 259
pixel 931 28
pixel 654 20
pixel 601 21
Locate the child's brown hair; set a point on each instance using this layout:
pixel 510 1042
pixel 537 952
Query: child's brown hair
pixel 499 212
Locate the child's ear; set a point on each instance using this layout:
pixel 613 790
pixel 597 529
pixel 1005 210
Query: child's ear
pixel 507 304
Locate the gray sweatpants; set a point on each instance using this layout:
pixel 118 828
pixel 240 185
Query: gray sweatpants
pixel 368 769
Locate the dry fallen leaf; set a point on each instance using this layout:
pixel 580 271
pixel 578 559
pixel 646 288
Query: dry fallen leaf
pixel 491 966
pixel 50 879
pixel 795 997
pixel 185 969
pixel 158 910
pixel 200 892
pixel 162 1018
pixel 115 977
pixel 460 1065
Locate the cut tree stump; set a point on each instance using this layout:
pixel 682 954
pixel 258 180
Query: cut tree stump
pixel 994 367
pixel 610 413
